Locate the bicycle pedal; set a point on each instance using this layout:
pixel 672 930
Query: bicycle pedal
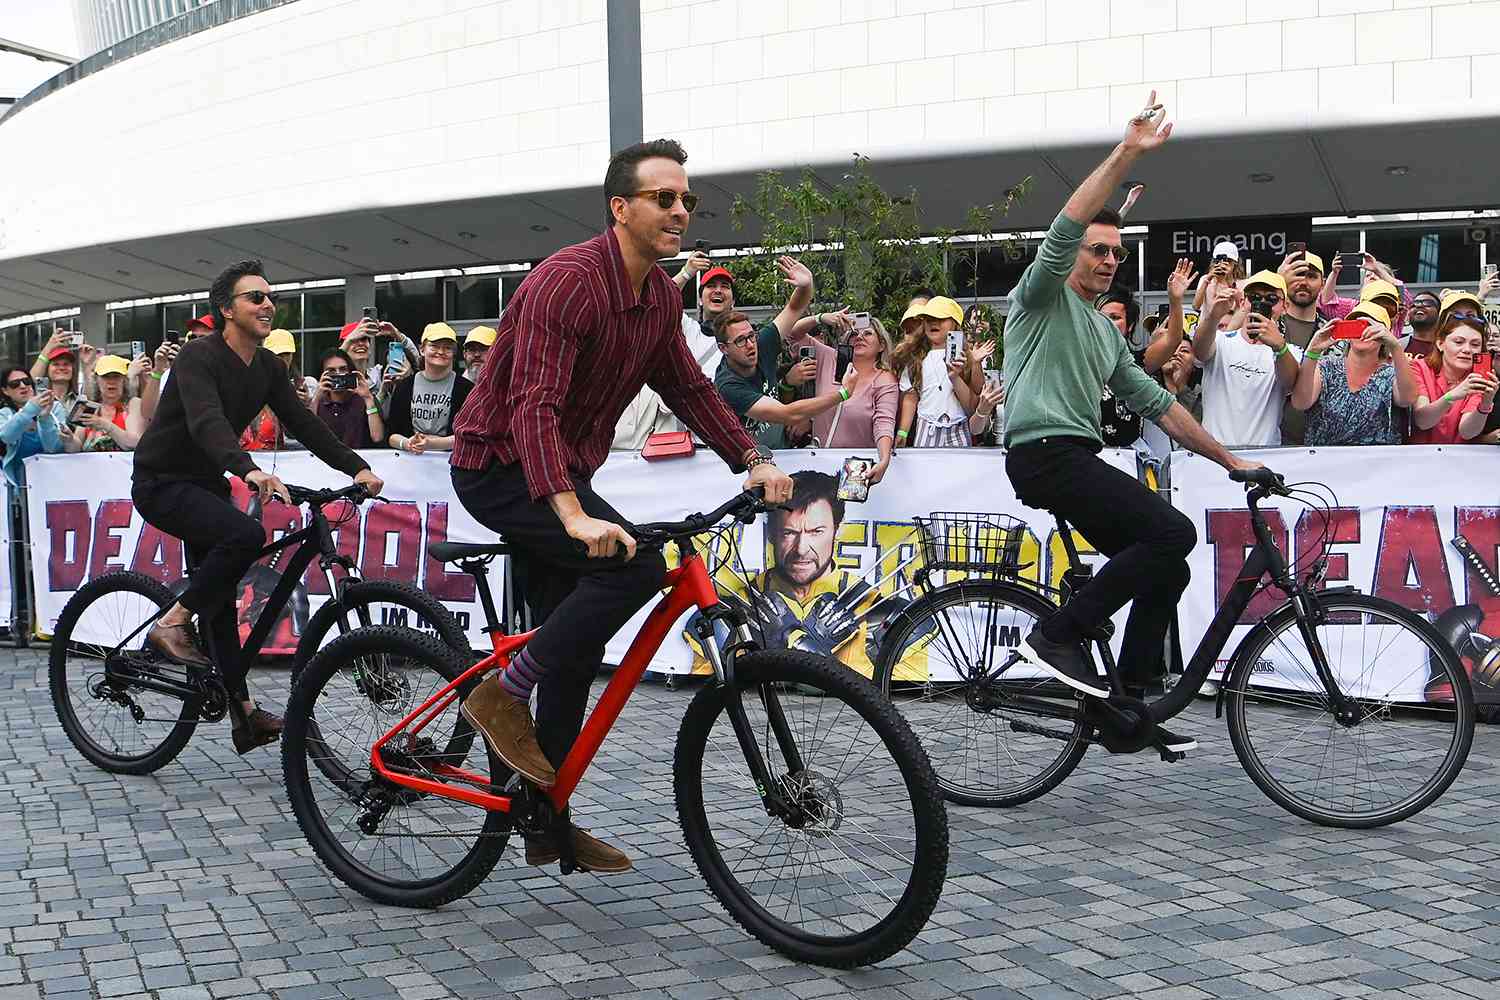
pixel 1171 756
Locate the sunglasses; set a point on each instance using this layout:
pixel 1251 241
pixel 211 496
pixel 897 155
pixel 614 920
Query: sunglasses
pixel 665 198
pixel 257 297
pixel 17 383
pixel 1107 250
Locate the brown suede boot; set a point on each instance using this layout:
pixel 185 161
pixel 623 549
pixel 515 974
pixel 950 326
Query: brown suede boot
pixel 505 723
pixel 255 730
pixel 178 643
pixel 592 854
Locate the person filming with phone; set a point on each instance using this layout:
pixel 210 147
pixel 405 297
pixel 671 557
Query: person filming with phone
pixel 1456 391
pixel 346 401
pixel 1350 380
pixel 1059 354
pixel 1247 373
pixel 422 406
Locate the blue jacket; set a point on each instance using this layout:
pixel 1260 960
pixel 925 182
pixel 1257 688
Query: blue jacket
pixel 13 428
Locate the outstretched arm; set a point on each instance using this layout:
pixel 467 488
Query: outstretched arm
pixel 1186 431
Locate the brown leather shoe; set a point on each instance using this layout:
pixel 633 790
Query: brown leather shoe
pixel 593 854
pixel 259 728
pixel 505 723
pixel 178 643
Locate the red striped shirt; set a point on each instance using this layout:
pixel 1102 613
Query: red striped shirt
pixel 574 348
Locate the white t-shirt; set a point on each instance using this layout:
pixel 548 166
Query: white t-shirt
pixel 937 404
pixel 647 414
pixel 1242 402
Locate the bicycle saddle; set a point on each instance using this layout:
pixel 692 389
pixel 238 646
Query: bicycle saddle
pixel 454 551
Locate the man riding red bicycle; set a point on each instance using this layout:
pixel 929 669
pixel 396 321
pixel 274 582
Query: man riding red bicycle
pixel 585 331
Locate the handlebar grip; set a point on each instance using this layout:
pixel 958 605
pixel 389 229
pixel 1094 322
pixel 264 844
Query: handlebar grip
pixel 1258 477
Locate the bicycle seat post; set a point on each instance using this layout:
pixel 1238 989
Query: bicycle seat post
pixel 1069 547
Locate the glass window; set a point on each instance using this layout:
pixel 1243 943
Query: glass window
pixel 410 305
pixel 323 308
pixel 175 316
pixel 997 269
pixel 1423 255
pixel 471 298
pixel 136 323
pixel 289 311
pixel 509 282
pixel 313 346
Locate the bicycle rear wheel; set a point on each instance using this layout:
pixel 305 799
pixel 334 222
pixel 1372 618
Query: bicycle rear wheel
pixel 117 725
pixel 852 876
pixel 987 746
pixel 389 843
pixel 1416 713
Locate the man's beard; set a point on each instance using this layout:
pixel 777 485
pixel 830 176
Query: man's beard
pixel 818 574
pixel 1423 325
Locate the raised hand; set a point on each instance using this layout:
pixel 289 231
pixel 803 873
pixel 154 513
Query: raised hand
pixel 1180 279
pixel 979 352
pixel 794 272
pixel 1144 134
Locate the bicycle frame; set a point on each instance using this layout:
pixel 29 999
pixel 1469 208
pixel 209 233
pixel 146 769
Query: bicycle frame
pixel 690 587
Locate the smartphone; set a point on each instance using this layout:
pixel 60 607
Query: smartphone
pixel 342 382
pixel 861 321
pixel 1353 266
pixel 806 353
pixel 172 336
pixel 854 485
pixel 1489 270
pixel 41 384
pixel 1296 249
pixel 137 348
pixel 700 246
pixel 75 341
pixel 955 349
pixel 1163 311
pixel 82 408
pixel 992 376
pixel 395 355
pixel 1349 329
pixel 369 313
pixel 1484 364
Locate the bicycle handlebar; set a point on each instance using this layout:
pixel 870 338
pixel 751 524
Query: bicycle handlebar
pixel 1263 478
pixel 322 498
pixel 743 507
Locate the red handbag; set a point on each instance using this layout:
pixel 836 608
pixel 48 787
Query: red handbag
pixel 668 444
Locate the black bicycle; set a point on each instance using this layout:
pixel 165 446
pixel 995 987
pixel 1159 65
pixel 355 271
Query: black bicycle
pixel 130 711
pixel 1345 709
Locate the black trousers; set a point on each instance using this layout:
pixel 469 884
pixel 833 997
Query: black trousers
pixel 1146 539
pixel 222 544
pixel 579 602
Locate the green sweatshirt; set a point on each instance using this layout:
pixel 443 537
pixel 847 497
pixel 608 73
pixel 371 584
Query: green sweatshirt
pixel 1060 352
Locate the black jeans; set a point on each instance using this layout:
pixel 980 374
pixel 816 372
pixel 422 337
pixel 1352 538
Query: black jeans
pixel 580 602
pixel 1146 539
pixel 222 544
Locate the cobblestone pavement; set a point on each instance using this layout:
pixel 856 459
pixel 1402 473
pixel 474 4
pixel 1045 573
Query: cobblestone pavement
pixel 1135 878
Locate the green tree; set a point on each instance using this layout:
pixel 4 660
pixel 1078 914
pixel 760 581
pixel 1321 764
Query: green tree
pixel 867 248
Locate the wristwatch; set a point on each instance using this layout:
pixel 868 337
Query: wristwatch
pixel 760 456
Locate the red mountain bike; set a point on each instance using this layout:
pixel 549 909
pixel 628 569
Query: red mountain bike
pixel 806 801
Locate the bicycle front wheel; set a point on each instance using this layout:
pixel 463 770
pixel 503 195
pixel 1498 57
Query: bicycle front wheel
pixel 1414 713
pixel 118 725
pixel 997 741
pixel 392 844
pixel 852 872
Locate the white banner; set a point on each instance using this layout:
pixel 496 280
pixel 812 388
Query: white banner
pixel 7 587
pixel 1405 517
pixel 83 524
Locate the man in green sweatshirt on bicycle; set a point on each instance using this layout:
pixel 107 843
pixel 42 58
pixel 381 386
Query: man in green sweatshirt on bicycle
pixel 1060 353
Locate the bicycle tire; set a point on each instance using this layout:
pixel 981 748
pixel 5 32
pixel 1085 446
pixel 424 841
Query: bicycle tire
pixel 978 757
pixel 1307 759
pixel 356 598
pixel 481 841
pixel 804 684
pixel 90 625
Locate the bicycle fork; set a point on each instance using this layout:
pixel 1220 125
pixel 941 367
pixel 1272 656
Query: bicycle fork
pixel 770 792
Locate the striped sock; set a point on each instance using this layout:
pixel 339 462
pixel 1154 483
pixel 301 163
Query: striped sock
pixel 521 675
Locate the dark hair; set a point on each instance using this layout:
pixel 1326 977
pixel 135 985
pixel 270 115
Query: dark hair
pixel 1122 296
pixel 334 352
pixel 221 294
pixel 922 292
pixel 6 373
pixel 724 322
pixel 808 487
pixel 620 180
pixel 1437 299
pixel 1107 217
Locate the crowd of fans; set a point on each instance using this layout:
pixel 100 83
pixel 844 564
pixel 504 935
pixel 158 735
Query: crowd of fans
pixel 1267 359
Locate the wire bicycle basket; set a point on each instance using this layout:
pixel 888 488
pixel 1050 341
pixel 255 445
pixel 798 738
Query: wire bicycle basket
pixel 971 544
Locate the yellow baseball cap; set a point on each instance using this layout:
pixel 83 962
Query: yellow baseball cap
pixel 438 331
pixel 481 335
pixel 1308 257
pixel 913 311
pixel 1268 278
pixel 1377 289
pixel 942 307
pixel 1454 296
pixel 1371 311
pixel 111 365
pixel 281 342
